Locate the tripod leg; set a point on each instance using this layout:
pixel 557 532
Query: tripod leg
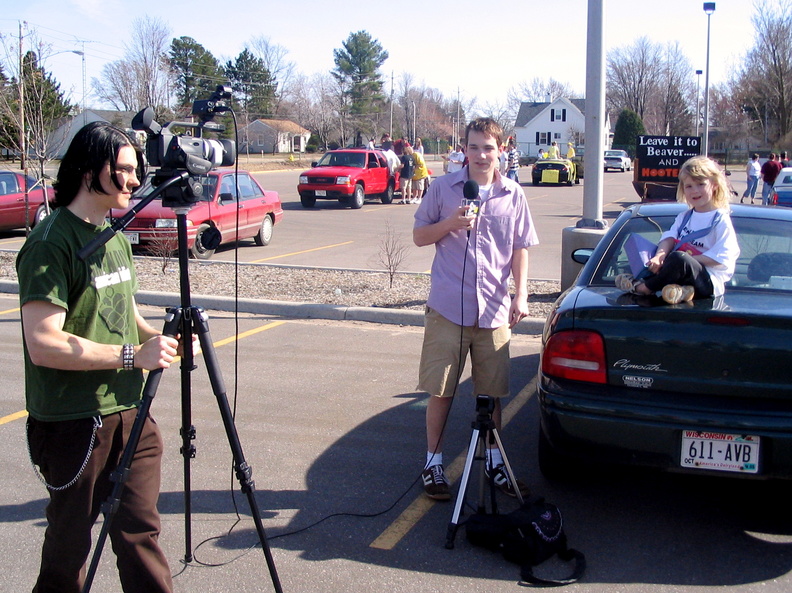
pixel 460 500
pixel 506 463
pixel 120 474
pixel 243 471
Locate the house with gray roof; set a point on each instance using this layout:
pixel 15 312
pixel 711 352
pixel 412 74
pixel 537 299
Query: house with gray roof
pixel 272 136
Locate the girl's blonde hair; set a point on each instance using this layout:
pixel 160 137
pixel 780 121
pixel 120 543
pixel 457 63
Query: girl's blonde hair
pixel 702 167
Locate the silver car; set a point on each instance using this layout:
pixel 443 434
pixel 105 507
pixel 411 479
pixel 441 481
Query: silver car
pixel 618 159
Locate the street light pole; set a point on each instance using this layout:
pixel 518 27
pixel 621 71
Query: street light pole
pixel 698 101
pixel 709 8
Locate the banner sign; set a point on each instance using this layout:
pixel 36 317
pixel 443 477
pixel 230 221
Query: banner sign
pixel 659 157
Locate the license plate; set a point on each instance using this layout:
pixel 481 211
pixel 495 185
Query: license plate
pixel 321 193
pixel 720 452
pixel 134 238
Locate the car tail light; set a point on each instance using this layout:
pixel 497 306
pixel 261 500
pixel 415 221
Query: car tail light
pixel 774 199
pixel 576 355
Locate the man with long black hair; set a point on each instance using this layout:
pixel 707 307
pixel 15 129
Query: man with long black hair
pixel 85 349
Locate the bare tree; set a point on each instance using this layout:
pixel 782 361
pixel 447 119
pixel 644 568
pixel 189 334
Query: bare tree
pixel 669 109
pixel 392 252
pixel 42 108
pixel 163 246
pixel 764 83
pixel 313 106
pixel 143 77
pixel 633 75
pixel 279 67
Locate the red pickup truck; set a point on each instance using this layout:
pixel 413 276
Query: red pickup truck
pixel 348 175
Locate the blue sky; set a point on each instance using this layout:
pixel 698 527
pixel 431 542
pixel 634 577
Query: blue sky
pixel 479 49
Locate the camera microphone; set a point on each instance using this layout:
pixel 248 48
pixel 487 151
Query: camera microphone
pixel 470 192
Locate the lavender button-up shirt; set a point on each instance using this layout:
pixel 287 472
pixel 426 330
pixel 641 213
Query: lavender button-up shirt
pixel 504 224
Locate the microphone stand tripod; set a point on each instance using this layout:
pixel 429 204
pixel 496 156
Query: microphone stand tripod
pixel 185 320
pixel 484 433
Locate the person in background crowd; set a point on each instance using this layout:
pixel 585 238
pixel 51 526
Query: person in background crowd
pixel 513 162
pixel 769 171
pixel 420 180
pixel 752 171
pixel 406 174
pixel 456 159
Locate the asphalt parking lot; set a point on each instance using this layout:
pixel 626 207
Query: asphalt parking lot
pixel 328 418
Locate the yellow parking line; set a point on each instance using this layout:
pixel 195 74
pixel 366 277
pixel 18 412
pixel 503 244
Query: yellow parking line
pixel 388 539
pixel 247 334
pixel 258 261
pixel 12 417
pixel 7 311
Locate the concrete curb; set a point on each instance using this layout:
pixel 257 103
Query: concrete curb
pixel 408 317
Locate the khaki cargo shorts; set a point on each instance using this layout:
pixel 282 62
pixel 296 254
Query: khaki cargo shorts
pixel 445 343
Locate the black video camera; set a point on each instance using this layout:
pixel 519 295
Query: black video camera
pixel 174 153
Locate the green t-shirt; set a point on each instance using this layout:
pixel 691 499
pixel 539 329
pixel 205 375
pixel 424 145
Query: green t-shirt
pixel 98 297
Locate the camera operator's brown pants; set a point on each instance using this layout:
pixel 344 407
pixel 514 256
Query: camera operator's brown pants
pixel 59 448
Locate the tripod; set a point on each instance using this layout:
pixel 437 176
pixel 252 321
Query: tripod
pixel 186 320
pixel 484 433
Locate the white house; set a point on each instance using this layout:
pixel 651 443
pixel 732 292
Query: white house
pixel 273 136
pixel 561 120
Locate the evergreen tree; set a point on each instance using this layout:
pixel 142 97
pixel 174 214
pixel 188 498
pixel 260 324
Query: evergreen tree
pixel 252 83
pixel 357 71
pixel 628 127
pixel 197 71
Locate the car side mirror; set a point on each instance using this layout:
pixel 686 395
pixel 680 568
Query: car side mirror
pixel 227 197
pixel 314 163
pixel 582 255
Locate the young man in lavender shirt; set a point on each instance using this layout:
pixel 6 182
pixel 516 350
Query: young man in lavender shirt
pixel 469 306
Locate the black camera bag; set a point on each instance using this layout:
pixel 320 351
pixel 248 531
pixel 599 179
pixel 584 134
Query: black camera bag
pixel 527 536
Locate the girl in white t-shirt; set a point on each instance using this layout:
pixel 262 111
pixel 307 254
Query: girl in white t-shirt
pixel 698 254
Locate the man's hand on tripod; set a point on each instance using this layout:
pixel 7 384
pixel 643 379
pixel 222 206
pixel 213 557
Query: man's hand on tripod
pixel 156 353
pixel 196 345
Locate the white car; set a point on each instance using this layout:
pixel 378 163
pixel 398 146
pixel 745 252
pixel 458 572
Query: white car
pixel 617 159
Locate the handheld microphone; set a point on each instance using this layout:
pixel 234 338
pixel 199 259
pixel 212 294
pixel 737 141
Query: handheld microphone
pixel 470 191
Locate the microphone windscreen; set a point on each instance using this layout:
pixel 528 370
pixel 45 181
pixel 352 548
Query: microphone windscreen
pixel 470 190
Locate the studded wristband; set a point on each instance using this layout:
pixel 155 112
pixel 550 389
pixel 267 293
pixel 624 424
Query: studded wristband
pixel 128 357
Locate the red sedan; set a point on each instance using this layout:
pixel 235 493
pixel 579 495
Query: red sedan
pixel 253 216
pixel 12 201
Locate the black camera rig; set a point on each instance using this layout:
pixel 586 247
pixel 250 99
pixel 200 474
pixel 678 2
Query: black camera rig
pixel 175 154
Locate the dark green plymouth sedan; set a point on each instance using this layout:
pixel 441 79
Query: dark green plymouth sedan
pixel 699 387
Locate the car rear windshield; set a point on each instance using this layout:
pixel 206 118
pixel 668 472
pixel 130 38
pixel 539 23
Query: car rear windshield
pixel 765 261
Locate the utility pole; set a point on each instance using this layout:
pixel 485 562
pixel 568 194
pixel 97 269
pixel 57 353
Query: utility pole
pixel 22 132
pixel 391 107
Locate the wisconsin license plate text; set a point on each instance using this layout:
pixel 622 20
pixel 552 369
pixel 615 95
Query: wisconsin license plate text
pixel 720 452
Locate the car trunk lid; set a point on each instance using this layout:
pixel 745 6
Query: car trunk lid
pixel 721 346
